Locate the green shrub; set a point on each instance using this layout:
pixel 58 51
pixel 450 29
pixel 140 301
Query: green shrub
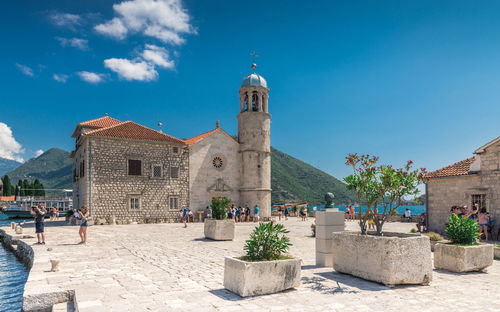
pixel 413 231
pixel 462 231
pixel 219 207
pixel 267 242
pixel 435 237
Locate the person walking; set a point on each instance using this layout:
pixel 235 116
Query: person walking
pixel 185 216
pixel 280 213
pixel 286 213
pixel 84 216
pixel 39 214
pixel 256 211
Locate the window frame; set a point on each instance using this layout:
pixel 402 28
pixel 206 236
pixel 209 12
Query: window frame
pixel 153 166
pixel 177 199
pixel 175 150
pixel 137 199
pixel 479 197
pixel 141 167
pixel 178 172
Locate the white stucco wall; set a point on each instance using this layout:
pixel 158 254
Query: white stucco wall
pixel 203 175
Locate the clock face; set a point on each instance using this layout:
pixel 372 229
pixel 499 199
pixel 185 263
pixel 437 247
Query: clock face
pixel 218 162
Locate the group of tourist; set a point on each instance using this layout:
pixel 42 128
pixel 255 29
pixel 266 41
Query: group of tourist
pixel 244 214
pixel 39 212
pixel 480 215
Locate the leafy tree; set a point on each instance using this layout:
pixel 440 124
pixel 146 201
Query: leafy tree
pixel 267 242
pixel 219 207
pixel 8 188
pixel 38 189
pixel 382 185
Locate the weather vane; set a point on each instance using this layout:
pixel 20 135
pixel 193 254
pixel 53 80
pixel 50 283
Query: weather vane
pixel 254 56
pixel 160 125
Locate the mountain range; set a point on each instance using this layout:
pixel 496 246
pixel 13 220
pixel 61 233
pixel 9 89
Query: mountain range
pixel 7 165
pixel 292 180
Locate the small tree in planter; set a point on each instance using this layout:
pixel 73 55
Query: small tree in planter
pixel 219 228
pixel 373 257
pixel 384 185
pixel 463 254
pixel 266 268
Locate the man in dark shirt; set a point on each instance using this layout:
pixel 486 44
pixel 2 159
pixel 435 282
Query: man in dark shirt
pixel 39 214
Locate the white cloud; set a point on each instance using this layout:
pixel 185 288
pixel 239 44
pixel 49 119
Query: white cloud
pixel 25 70
pixel 9 147
pixel 39 152
pixel 165 20
pixel 78 43
pixel 158 56
pixel 132 70
pixel 65 19
pixel 60 77
pixel 90 77
pixel 113 28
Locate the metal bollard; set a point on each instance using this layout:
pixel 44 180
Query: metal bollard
pixel 55 265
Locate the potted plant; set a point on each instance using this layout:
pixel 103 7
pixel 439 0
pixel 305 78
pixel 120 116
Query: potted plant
pixel 219 227
pixel 266 268
pixel 434 238
pixel 463 253
pixel 388 258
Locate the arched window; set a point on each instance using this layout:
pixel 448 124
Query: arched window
pixel 255 102
pixel 245 104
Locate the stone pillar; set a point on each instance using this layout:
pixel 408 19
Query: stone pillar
pixel 327 222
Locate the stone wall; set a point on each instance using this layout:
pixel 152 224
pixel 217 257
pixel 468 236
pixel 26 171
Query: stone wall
pixel 207 181
pixel 448 191
pixel 111 187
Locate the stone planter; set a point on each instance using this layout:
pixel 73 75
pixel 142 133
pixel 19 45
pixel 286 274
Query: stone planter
pixel 392 259
pixel 463 258
pixel 433 243
pixel 219 229
pixel 260 278
pixel 496 252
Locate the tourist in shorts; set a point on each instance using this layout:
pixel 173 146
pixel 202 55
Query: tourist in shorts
pixel 39 214
pixel 256 211
pixel 280 213
pixel 483 218
pixel 286 213
pixel 84 216
pixel 185 216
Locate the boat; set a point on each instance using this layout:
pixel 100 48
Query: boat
pixel 14 212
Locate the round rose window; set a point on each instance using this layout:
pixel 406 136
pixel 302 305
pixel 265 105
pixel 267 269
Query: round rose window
pixel 218 162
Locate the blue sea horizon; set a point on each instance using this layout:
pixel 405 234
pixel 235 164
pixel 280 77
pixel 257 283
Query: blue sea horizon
pixel 415 209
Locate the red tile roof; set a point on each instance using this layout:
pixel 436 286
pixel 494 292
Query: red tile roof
pixel 200 137
pixel 102 122
pixel 457 169
pixel 132 130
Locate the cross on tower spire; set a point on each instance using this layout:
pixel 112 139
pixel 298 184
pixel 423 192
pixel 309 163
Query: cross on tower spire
pixel 254 56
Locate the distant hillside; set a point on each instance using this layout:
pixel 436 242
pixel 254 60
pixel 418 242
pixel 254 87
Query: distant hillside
pixel 7 165
pixel 53 168
pixel 293 180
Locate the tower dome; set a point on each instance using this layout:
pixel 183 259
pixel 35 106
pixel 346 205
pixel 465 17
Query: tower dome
pixel 254 80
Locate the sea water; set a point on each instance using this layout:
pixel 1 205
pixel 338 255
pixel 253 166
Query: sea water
pixel 414 209
pixel 13 276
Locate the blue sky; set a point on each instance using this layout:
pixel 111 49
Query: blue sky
pixel 399 79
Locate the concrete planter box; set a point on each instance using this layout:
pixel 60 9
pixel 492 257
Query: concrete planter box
pixel 219 229
pixel 463 258
pixel 496 252
pixel 392 259
pixel 433 243
pixel 260 278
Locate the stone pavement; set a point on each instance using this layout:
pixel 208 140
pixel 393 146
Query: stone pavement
pixel 165 267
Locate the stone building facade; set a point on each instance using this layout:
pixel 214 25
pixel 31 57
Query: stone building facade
pixel 470 181
pixel 132 173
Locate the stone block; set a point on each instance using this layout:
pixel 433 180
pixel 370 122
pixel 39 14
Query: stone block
pixel 392 259
pixel 325 231
pixel 219 229
pixel 330 218
pixel 324 259
pixel 496 252
pixel 463 258
pixel 260 278
pixel 323 245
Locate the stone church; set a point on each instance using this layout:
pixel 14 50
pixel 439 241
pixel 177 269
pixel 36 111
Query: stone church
pixel 128 171
pixel 475 180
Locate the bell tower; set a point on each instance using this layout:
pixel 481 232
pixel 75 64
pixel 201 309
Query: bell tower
pixel 254 126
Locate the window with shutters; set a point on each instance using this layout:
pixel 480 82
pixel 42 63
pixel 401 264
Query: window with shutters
pixel 174 203
pixel 134 203
pixel 157 171
pixel 134 167
pixel 174 172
